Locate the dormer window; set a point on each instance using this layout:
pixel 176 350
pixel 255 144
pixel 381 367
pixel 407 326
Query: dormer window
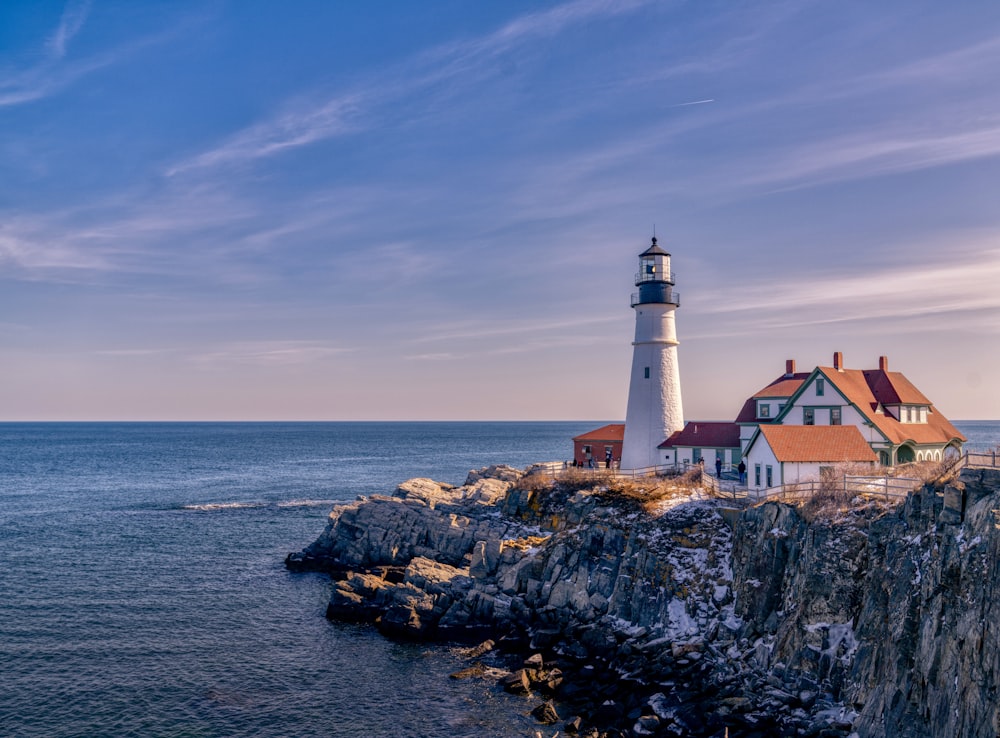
pixel 763 410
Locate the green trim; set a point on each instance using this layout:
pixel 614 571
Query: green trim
pixel 832 383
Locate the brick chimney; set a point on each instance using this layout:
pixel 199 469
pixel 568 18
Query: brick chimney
pixel 883 363
pixel 789 367
pixel 838 361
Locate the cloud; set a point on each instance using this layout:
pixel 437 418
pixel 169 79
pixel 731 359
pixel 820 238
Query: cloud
pixel 304 122
pixel 481 329
pixel 73 17
pixel 872 154
pixel 56 70
pixel 270 354
pixel 902 298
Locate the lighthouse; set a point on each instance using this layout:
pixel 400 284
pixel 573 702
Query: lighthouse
pixel 654 392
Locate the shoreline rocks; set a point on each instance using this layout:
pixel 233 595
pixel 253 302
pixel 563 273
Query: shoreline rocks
pixel 655 618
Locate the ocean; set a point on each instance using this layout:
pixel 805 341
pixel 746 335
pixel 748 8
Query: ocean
pixel 142 589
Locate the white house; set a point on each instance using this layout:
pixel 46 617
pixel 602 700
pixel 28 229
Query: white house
pixel 703 440
pixel 896 420
pixel 786 454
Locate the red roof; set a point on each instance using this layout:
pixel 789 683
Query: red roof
pixel 829 443
pixel 868 389
pixel 784 386
pixel 708 435
pixel 610 432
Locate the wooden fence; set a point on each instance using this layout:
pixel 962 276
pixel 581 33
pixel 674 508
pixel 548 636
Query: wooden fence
pixel 886 487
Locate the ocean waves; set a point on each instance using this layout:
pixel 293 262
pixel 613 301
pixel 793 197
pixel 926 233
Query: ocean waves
pixel 257 504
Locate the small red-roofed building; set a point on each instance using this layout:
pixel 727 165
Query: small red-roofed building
pixel 596 445
pixel 704 440
pixel 787 454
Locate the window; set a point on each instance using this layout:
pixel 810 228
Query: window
pixel 586 450
pixel 834 416
pixel 756 475
pixel 763 410
pixel 770 479
pixel 820 386
pixel 808 416
pixel 646 373
pixel 781 408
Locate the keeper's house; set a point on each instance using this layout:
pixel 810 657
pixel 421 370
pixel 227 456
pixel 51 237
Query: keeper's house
pixel 877 408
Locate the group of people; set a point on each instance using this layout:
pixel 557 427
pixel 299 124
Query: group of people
pixel 609 461
pixel 742 468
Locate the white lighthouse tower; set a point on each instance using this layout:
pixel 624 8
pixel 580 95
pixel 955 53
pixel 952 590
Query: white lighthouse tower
pixel 654 391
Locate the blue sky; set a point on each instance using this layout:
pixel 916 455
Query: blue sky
pixel 317 210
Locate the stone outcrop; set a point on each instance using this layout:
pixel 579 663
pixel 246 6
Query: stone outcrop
pixel 652 617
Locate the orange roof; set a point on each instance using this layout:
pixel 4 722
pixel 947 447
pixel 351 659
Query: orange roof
pixel 892 388
pixel 831 443
pixel 784 386
pixel 710 435
pixel 869 389
pixel 610 432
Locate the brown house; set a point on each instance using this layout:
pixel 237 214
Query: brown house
pixel 598 445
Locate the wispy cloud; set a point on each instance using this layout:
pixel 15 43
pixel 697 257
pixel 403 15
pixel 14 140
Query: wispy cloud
pixel 73 17
pixel 270 354
pixel 962 285
pixel 304 121
pixel 875 153
pixel 50 74
pixel 480 329
pixel 56 69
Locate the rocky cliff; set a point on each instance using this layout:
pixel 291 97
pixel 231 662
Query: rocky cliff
pixel 648 614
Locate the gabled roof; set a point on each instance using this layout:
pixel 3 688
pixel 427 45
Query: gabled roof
pixel 867 389
pixel 892 388
pixel 784 386
pixel 610 432
pixel 709 435
pixel 815 443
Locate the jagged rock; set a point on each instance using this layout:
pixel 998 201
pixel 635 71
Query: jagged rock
pixel 535 661
pixel 546 713
pixel 517 682
pixel 666 621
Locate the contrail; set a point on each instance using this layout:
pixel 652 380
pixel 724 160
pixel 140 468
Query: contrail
pixel 693 102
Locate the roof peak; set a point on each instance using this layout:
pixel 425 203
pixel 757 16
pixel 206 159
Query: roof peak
pixel 654 249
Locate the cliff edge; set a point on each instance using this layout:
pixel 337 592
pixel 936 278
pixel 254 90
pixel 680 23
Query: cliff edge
pixel 647 614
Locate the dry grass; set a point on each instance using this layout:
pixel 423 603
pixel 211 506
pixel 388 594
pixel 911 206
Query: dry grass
pixel 643 492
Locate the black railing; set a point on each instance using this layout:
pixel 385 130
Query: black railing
pixel 672 298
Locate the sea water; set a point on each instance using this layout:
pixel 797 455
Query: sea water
pixel 142 591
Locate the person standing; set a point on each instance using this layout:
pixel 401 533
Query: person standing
pixel 742 468
pixel 718 467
